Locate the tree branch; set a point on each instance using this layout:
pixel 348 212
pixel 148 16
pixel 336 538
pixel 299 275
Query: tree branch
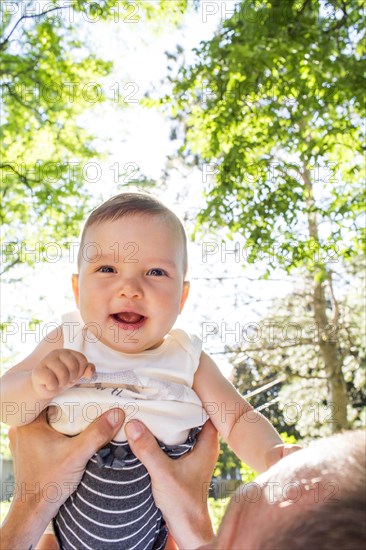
pixel 22 178
pixel 338 25
pixel 309 342
pixel 303 7
pixel 9 266
pixel 24 104
pixel 6 40
pixel 316 376
pixel 236 277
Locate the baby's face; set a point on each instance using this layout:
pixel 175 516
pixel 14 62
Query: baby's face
pixel 130 288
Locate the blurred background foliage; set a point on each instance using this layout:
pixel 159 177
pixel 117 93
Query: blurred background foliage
pixel 274 104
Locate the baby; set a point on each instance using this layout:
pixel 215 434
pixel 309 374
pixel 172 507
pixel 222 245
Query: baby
pixel 119 349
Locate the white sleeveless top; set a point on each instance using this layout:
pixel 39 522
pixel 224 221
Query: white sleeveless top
pixel 154 386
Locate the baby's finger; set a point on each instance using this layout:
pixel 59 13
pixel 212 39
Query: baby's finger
pixel 75 363
pixel 289 449
pixel 89 371
pixel 273 455
pixel 46 379
pixel 63 369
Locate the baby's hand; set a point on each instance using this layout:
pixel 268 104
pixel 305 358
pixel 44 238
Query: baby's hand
pixel 60 370
pixel 280 451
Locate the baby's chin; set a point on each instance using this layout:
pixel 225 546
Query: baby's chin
pixel 157 345
pixel 130 343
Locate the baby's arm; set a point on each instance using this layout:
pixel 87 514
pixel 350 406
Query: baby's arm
pixel 28 387
pixel 248 433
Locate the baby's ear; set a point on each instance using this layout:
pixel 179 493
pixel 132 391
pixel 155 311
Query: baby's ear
pixel 75 287
pixel 184 295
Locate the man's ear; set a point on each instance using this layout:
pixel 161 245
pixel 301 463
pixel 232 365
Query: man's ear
pixel 75 287
pixel 184 295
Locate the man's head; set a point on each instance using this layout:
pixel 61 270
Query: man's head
pixel 132 263
pixel 312 499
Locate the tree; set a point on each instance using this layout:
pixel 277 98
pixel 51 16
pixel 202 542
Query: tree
pixel 44 73
pixel 286 352
pixel 272 108
pixel 260 380
pixel 50 77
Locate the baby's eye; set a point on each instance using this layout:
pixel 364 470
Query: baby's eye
pixel 156 272
pixel 106 269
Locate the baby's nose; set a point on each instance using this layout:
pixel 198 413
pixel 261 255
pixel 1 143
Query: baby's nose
pixel 130 288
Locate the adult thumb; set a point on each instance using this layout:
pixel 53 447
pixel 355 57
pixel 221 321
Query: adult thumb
pixel 99 433
pixel 146 448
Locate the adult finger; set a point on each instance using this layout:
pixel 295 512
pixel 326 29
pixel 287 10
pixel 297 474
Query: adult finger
pixel 14 433
pixel 98 434
pixel 146 448
pixel 208 444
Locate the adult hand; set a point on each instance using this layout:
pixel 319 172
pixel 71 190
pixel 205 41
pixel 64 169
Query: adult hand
pixel 180 486
pixel 48 468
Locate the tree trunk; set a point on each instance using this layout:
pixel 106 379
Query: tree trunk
pixel 328 331
pixel 329 349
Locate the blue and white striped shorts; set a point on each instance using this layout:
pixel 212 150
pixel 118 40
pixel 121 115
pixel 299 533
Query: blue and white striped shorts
pixel 113 506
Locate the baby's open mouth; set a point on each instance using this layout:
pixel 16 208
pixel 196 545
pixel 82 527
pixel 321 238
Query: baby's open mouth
pixel 129 319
